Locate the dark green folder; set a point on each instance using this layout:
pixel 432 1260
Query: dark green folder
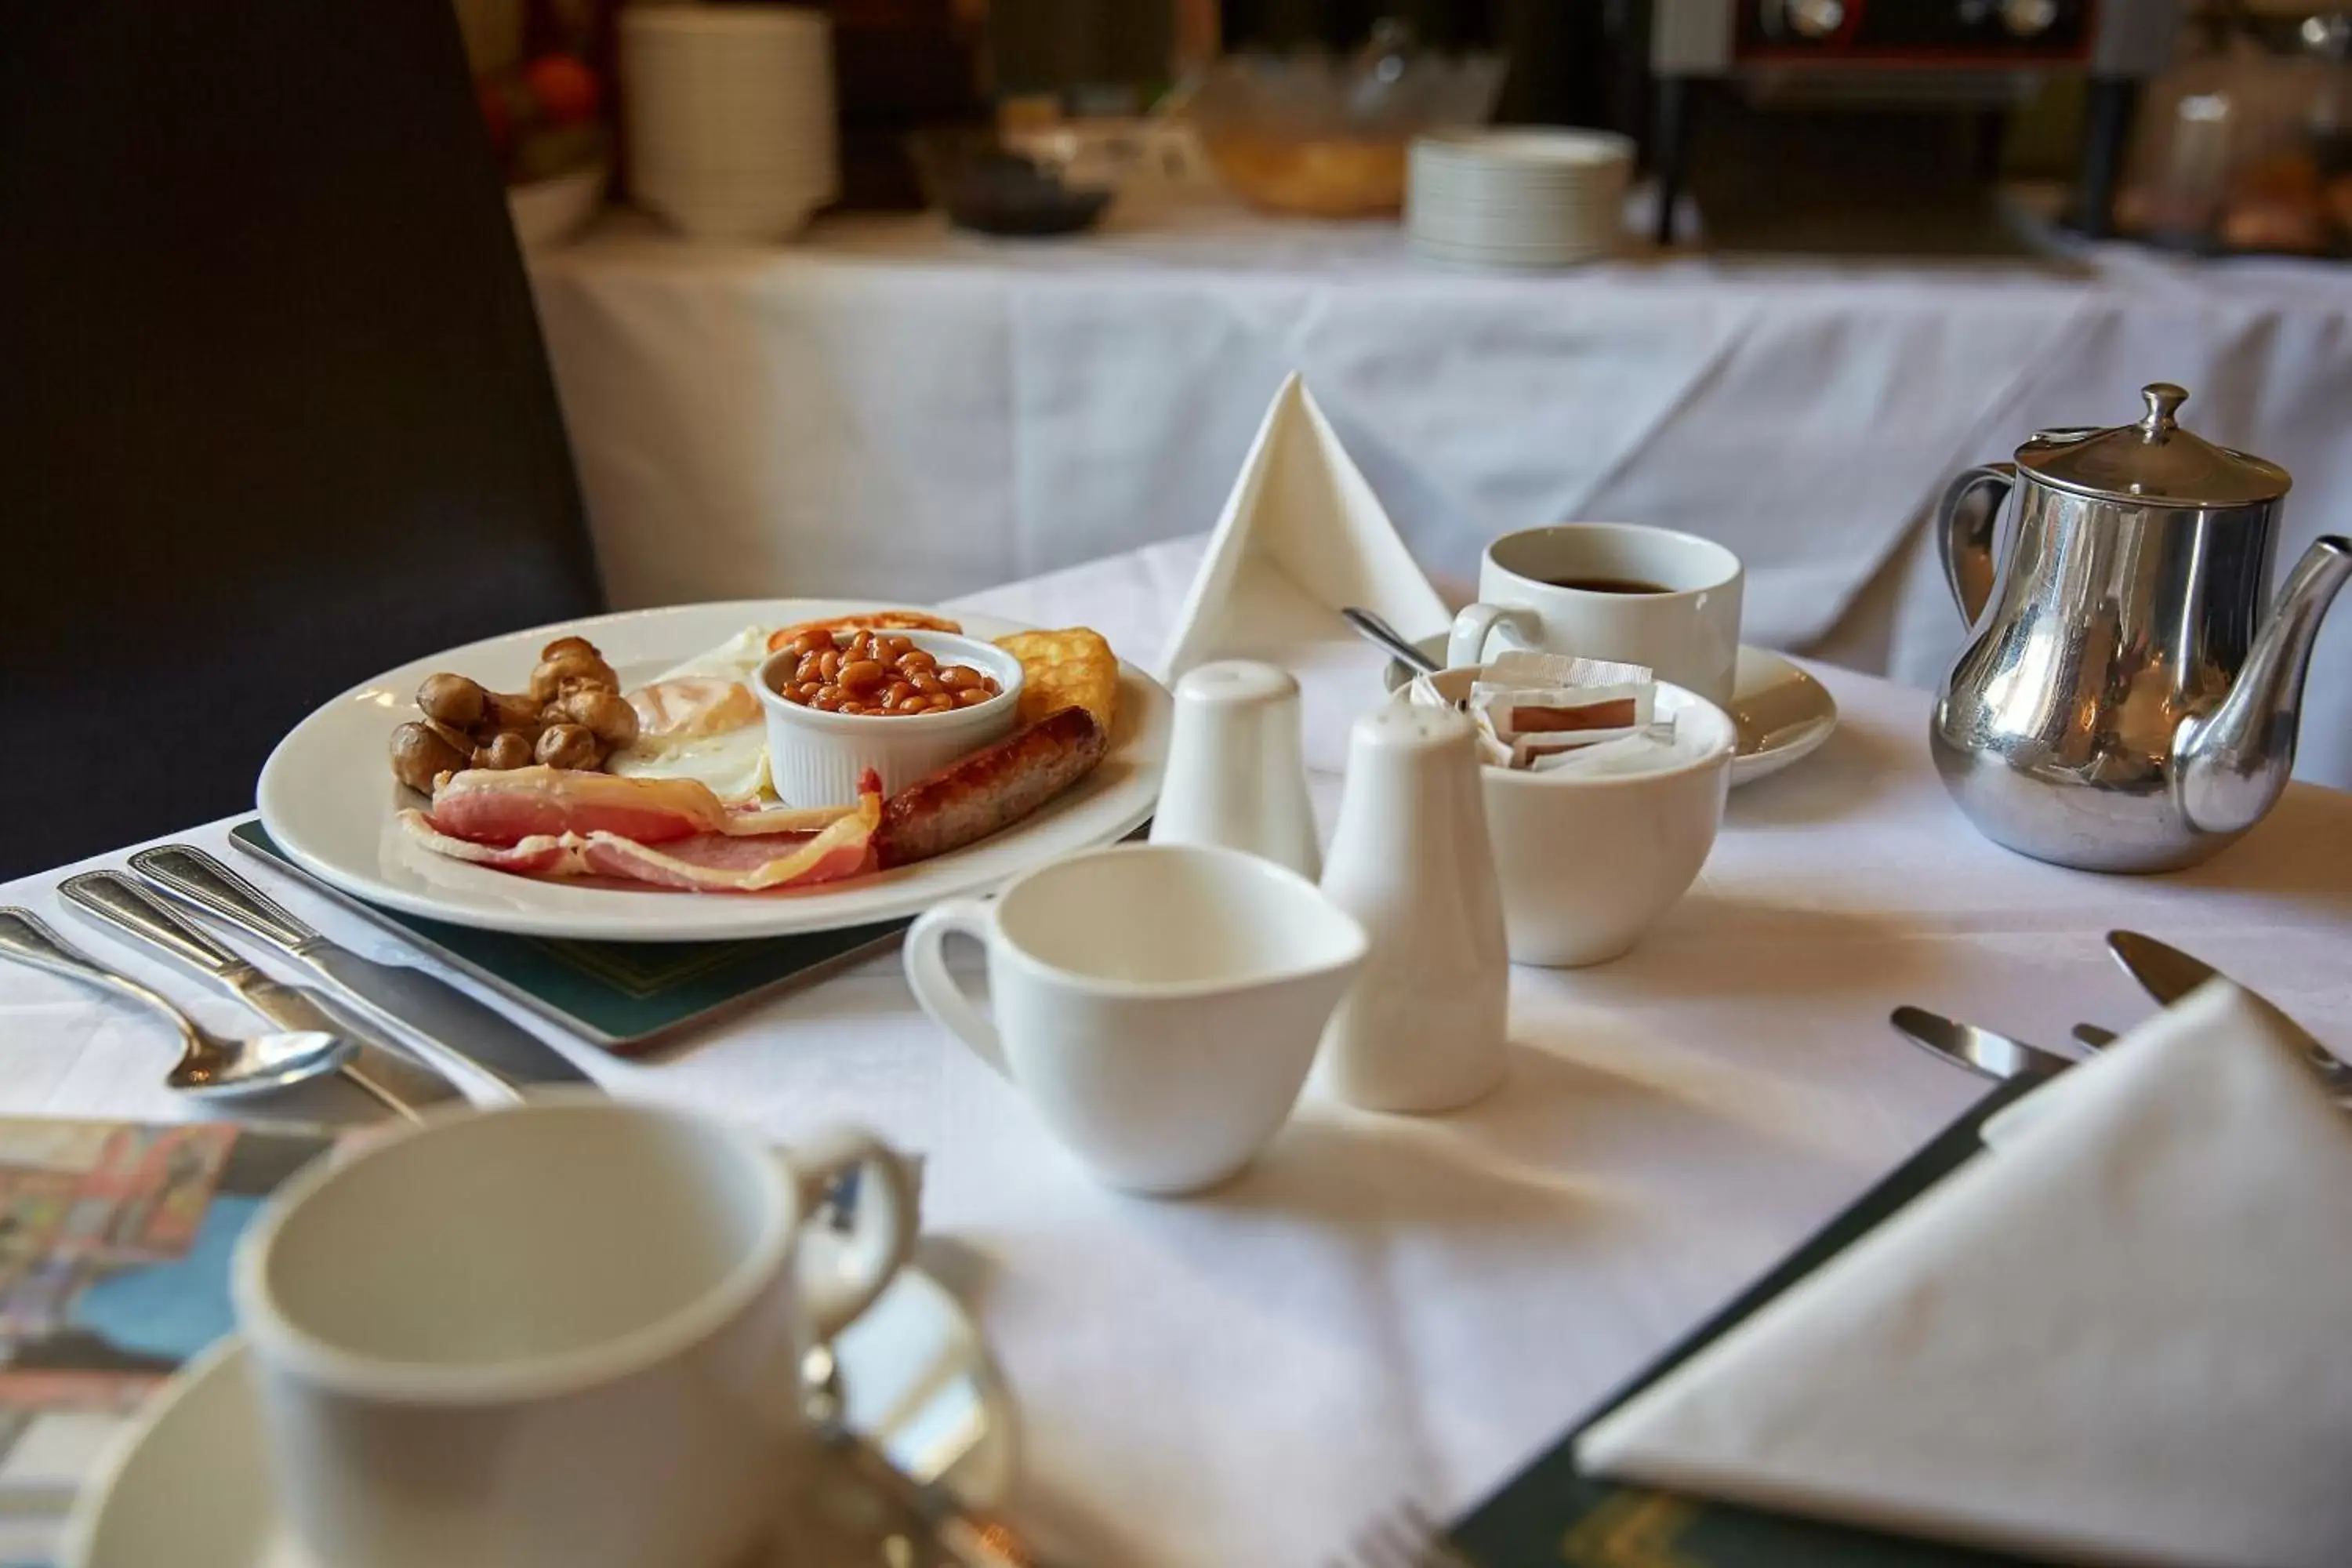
pixel 622 996
pixel 1551 1515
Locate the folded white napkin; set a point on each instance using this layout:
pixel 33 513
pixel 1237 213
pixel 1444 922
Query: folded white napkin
pixel 1301 536
pixel 2122 1334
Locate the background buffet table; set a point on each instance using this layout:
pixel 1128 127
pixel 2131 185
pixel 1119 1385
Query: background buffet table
pixel 890 407
pixel 1390 1308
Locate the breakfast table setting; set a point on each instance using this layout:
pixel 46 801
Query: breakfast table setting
pixel 1306 1071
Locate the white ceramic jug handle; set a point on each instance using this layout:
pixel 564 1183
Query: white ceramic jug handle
pixel 935 987
pixel 839 1282
pixel 1517 625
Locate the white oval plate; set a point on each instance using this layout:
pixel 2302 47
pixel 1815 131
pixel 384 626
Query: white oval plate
pixel 190 1485
pixel 327 797
pixel 1781 713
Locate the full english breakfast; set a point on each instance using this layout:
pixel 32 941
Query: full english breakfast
pixel 667 784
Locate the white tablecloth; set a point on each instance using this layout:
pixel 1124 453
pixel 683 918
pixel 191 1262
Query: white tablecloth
pixel 888 407
pixel 1385 1308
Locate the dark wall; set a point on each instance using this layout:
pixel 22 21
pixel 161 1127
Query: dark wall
pixel 274 412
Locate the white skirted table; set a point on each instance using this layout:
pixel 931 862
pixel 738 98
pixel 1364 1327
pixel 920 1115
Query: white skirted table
pixel 890 407
pixel 1386 1309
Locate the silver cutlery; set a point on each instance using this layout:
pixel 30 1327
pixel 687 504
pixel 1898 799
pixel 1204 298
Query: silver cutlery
pixel 915 1509
pixel 1981 1051
pixel 112 900
pixel 2166 973
pixel 430 1017
pixel 1372 629
pixel 209 1064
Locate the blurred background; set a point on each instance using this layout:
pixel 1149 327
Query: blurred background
pixel 641 303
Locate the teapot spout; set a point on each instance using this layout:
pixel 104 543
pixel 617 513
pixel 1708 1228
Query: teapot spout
pixel 2231 764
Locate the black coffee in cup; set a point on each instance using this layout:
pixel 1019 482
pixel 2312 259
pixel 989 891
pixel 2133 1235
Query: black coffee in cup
pixel 1610 584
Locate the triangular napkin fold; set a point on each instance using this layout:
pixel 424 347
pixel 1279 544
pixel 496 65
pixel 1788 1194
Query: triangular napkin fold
pixel 1301 536
pixel 2118 1336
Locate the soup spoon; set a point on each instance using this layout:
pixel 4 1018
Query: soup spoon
pixel 209 1064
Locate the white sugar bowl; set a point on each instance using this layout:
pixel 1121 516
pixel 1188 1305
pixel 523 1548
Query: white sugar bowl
pixel 1588 862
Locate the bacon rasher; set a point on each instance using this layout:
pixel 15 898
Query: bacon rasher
pixel 672 833
pixel 506 806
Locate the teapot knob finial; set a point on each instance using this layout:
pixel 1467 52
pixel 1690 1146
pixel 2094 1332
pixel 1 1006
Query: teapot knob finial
pixel 2164 401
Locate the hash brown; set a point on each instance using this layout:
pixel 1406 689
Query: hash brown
pixel 1073 668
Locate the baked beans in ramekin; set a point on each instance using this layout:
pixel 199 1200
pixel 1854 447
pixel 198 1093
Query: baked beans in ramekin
pixel 822 737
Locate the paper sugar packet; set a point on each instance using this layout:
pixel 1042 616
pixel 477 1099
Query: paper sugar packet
pixel 1538 706
pixel 1422 693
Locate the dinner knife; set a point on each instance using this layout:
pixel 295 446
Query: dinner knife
pixel 2166 973
pixel 1981 1051
pixel 114 900
pixel 420 1010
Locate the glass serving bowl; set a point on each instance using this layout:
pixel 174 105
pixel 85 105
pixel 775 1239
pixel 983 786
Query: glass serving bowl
pixel 1325 136
pixel 2245 145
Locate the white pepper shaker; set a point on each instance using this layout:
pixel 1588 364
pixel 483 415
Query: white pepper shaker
pixel 1424 1027
pixel 1236 771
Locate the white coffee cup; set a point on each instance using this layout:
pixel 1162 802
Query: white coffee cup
pixel 1688 633
pixel 567 1334
pixel 1158 1003
pixel 1236 771
pixel 1588 862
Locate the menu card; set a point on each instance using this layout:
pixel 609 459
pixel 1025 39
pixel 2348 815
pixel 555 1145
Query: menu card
pixel 115 1239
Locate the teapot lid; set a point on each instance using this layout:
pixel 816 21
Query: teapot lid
pixel 2154 461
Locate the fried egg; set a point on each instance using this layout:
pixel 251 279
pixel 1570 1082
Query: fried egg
pixel 702 721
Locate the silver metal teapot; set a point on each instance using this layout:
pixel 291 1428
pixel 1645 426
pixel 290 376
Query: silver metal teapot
pixel 2123 704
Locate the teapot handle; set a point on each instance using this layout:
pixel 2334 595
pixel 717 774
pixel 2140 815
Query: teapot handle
pixel 1965 520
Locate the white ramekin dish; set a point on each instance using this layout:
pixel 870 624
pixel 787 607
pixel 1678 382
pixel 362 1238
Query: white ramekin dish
pixel 1587 865
pixel 815 758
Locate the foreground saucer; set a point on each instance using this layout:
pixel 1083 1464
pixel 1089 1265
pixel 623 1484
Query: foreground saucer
pixel 1782 714
pixel 190 1486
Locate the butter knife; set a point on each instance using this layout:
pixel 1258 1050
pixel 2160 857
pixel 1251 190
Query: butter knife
pixel 112 900
pixel 421 1011
pixel 2166 973
pixel 1981 1051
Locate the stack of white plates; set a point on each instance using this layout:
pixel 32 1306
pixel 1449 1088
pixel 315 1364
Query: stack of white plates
pixel 730 115
pixel 1518 197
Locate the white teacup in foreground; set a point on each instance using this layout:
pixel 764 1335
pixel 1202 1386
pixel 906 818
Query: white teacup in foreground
pixel 563 1335
pixel 1588 861
pixel 1159 1005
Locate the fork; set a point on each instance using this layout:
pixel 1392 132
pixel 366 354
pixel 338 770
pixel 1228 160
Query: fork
pixel 1408 1537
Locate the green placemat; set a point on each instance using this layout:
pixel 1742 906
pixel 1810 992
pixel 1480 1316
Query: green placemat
pixel 1551 1514
pixel 623 995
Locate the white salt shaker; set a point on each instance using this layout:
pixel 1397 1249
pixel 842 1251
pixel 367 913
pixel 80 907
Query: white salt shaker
pixel 1236 773
pixel 1423 1028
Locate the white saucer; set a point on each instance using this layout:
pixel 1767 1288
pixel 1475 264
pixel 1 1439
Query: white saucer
pixel 190 1486
pixel 1782 714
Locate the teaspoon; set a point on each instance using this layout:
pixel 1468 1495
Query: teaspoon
pixel 1371 628
pixel 209 1064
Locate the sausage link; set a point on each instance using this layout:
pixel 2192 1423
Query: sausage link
pixel 989 790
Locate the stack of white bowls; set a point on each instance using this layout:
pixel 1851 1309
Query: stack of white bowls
pixel 1518 197
pixel 729 117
